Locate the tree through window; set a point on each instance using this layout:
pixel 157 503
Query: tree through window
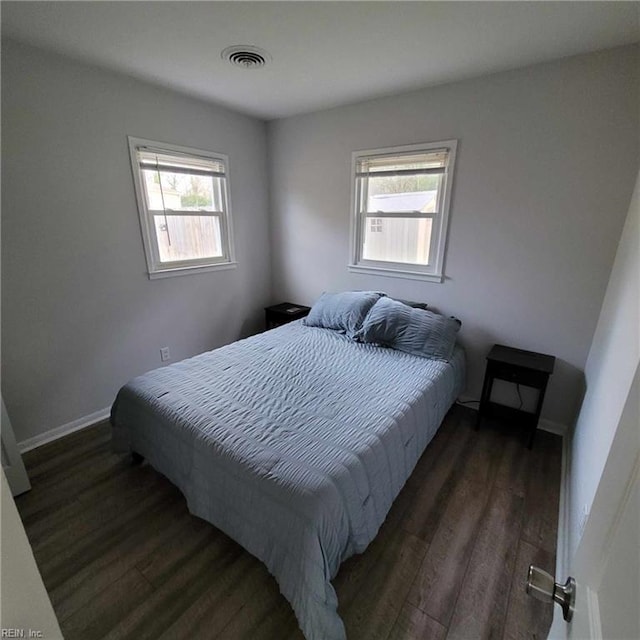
pixel 183 204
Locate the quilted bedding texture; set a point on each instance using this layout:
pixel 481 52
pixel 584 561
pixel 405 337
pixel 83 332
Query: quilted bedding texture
pixel 295 443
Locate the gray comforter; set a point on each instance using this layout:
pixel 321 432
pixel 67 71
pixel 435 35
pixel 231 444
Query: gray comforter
pixel 295 443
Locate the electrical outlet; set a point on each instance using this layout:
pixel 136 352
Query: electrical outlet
pixel 584 516
pixel 164 354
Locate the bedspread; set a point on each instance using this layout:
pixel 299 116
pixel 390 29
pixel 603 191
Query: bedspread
pixel 295 443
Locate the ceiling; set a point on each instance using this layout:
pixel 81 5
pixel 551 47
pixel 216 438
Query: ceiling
pixel 324 54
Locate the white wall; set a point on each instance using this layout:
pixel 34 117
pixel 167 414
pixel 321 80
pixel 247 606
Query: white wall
pixel 603 454
pixel 79 314
pixel 547 158
pixel 612 363
pixel 545 169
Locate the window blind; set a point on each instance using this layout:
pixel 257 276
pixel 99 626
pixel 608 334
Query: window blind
pixel 175 163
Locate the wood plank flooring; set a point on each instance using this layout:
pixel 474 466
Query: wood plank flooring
pixel 122 559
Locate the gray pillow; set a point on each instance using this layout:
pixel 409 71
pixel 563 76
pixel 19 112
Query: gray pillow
pixel 411 303
pixel 342 312
pixel 416 331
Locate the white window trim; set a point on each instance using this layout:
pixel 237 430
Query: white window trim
pixel 430 273
pixel 155 268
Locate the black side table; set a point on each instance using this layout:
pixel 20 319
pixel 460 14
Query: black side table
pixel 527 368
pixel 279 314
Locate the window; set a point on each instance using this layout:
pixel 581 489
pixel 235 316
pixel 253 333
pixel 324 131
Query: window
pixel 183 202
pixel 400 209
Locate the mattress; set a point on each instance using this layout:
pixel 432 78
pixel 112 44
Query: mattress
pixel 295 443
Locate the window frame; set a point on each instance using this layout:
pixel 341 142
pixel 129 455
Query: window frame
pixel 434 271
pixel 156 268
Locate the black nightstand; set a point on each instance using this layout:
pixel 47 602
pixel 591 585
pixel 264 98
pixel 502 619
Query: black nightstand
pixel 527 368
pixel 284 312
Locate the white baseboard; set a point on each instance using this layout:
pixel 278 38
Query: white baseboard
pixel 562 548
pixel 544 424
pixel 554 427
pixel 63 430
pixel 103 414
pixel 558 629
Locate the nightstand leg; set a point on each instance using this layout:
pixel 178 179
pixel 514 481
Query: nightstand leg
pixel 487 386
pixel 536 417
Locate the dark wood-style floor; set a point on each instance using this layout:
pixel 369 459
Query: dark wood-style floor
pixel 122 558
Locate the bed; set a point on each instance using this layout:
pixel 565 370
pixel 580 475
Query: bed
pixel 295 443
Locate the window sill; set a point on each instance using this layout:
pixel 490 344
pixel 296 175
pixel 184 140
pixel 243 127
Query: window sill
pixel 396 273
pixel 184 271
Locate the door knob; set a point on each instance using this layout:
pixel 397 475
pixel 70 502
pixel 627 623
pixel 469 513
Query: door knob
pixel 543 586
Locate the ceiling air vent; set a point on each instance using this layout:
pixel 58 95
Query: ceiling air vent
pixel 246 56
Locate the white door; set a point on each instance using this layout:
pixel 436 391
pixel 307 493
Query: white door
pixel 11 458
pixel 606 564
